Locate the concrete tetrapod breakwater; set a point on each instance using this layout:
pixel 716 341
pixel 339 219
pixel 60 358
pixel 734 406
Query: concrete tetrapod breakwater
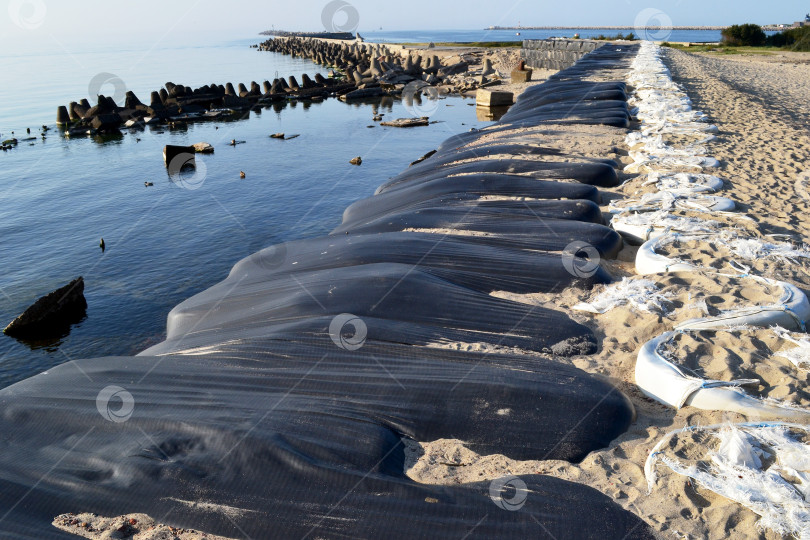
pixel 278 404
pixel 179 104
pixel 555 53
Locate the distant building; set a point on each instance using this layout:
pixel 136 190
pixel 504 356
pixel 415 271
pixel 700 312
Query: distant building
pixel 805 22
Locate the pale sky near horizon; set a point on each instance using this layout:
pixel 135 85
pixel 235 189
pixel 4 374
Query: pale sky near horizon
pixel 88 21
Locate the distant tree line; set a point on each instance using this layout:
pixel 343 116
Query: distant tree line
pixel 752 35
pixel 629 37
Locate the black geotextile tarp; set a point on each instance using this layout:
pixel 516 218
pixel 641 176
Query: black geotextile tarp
pixel 523 228
pixel 303 439
pixel 595 174
pixel 443 191
pixel 399 303
pixel 479 183
pixel 462 260
pixel 277 406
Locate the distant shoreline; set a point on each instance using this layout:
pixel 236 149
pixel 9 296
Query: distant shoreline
pixel 605 27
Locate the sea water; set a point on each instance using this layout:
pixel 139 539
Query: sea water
pixel 171 240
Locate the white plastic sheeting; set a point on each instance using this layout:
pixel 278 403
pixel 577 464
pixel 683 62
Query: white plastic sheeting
pixel 762 466
pixel 791 310
pixel 639 294
pixel 640 227
pixel 799 356
pixel 649 163
pixel 683 183
pixel 677 171
pixel 650 262
pixel 668 200
pixel 664 381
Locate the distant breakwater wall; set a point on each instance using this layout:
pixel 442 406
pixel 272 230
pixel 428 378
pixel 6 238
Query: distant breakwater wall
pixel 319 35
pixel 555 54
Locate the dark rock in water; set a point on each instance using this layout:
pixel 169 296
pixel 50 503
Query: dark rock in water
pixel 356 161
pixel 277 136
pixel 293 83
pixel 276 87
pixel 52 314
pixel 106 105
pixel 154 101
pixel 62 116
pixel 203 148
pixel 406 122
pixel 363 93
pixel 132 100
pixel 72 111
pixel 164 96
pixel 306 82
pixel 177 157
pixel 106 122
pixel 235 102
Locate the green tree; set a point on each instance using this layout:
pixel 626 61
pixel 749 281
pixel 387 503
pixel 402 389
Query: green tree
pixel 747 35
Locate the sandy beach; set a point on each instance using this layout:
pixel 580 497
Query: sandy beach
pixel 760 106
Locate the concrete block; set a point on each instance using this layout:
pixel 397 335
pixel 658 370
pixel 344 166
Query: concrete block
pixel 489 98
pixel 521 76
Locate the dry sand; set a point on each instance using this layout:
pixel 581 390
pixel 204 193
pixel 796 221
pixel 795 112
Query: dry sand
pixel 761 108
pixel 132 526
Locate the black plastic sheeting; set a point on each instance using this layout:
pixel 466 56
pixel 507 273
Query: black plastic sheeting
pixel 516 227
pixel 595 174
pixel 398 303
pixel 461 260
pixel 282 395
pixel 304 440
pixel 479 186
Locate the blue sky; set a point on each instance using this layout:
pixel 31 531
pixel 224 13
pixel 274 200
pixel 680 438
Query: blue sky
pixel 38 21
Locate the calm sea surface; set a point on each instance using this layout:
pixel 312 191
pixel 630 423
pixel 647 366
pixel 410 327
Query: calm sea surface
pixel 167 242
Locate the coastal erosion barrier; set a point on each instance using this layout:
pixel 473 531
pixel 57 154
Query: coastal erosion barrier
pixel 555 54
pixel 282 395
